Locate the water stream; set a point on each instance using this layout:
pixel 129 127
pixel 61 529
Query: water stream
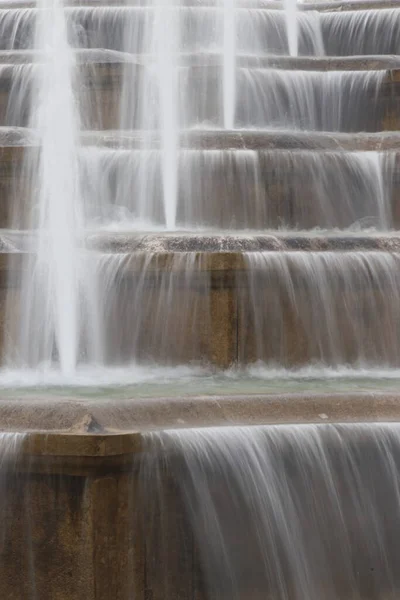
pixel 199 208
pixel 279 512
pixel 180 117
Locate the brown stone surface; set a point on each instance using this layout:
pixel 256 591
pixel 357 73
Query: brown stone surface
pixel 46 548
pixel 223 313
pixel 58 425
pixel 70 536
pixel 97 533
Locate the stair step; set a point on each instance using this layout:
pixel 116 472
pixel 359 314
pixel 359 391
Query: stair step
pixel 220 250
pixel 270 5
pixel 235 244
pixel 263 31
pixel 14 140
pixel 239 189
pixel 215 301
pixel 343 100
pixel 98 58
pixel 234 401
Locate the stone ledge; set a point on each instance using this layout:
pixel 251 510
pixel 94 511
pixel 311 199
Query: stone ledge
pixel 101 87
pixel 66 446
pixel 218 253
pixel 57 426
pixel 333 6
pixel 14 140
pixel 258 140
pixel 93 63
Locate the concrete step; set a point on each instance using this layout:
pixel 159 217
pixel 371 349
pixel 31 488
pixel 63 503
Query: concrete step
pixel 86 494
pixel 222 139
pixel 95 58
pixel 224 300
pixel 81 421
pixel 14 140
pixel 262 31
pixel 288 182
pixel 368 100
pixel 270 5
pixel 221 250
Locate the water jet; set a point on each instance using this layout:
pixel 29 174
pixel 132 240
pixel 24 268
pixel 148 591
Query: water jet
pixel 199 282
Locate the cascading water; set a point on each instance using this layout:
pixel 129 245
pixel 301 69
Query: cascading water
pixel 308 511
pixel 333 308
pixel 166 41
pixel 203 193
pixel 229 63
pixel 171 81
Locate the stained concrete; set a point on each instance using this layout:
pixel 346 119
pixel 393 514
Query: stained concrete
pixel 74 519
pixel 68 425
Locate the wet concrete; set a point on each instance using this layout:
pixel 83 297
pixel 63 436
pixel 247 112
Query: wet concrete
pixel 94 418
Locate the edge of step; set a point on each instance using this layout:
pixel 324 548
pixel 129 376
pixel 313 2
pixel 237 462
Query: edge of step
pixel 14 245
pixel 82 437
pixel 332 6
pixel 113 59
pixel 13 140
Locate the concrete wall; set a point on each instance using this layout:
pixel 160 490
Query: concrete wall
pixel 81 516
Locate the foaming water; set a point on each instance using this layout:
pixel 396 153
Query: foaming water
pixel 302 511
pixel 140 380
pixel 319 372
pixel 98 376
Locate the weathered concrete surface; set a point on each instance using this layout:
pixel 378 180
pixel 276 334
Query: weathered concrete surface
pixel 219 252
pixel 93 62
pixel 253 140
pixel 74 515
pixel 223 251
pixel 66 520
pixel 96 428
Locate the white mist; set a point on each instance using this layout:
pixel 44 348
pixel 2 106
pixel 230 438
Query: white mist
pixel 229 63
pixel 57 288
pixel 292 26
